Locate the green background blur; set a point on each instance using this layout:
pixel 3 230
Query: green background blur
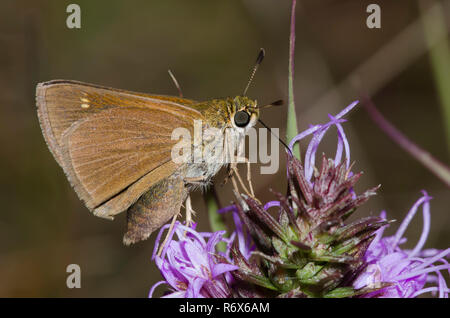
pixel 211 47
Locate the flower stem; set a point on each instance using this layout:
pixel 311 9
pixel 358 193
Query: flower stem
pixel 435 166
pixel 435 26
pixel 291 127
pixel 215 219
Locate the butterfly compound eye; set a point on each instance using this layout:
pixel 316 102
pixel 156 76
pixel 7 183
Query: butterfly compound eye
pixel 241 118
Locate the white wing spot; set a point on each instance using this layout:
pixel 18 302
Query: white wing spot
pixel 85 102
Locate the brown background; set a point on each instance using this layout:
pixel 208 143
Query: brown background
pixel 210 46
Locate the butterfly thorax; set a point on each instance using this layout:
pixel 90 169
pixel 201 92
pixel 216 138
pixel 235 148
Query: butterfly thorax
pixel 222 136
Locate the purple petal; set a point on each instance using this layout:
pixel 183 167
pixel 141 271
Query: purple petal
pixel 401 230
pixel 425 290
pixel 270 204
pixel 193 290
pixel 435 258
pixel 172 276
pixel 339 149
pixel 303 134
pixel 310 156
pixel 442 286
pixel 197 256
pixel 370 276
pixel 426 226
pixel 244 241
pixel 343 112
pixel 158 238
pixel 422 271
pixel 429 252
pixel 219 269
pixel 191 273
pixel 394 264
pixel 213 241
pixel 152 290
pixel 227 208
pixel 341 136
pixel 178 294
pixel 379 232
pixel 181 229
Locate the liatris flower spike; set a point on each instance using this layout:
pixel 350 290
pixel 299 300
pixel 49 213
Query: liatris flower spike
pixel 307 250
pixel 191 265
pixel 407 270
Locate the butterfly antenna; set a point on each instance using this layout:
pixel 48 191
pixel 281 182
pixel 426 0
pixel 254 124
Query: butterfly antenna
pixel 270 130
pixel 259 59
pixel 279 102
pixel 176 83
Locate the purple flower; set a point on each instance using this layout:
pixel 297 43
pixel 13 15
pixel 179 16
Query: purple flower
pixel 245 243
pixel 191 265
pixel 407 270
pixel 341 259
pixel 318 132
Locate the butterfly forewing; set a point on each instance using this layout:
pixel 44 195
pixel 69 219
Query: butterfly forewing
pixel 61 103
pixel 110 142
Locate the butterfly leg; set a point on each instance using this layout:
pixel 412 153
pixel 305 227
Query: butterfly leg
pixel 180 93
pixel 172 224
pixel 249 177
pixel 234 170
pixel 189 211
pixel 201 179
pixel 228 176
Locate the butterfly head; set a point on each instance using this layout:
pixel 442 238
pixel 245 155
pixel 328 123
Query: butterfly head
pixel 245 113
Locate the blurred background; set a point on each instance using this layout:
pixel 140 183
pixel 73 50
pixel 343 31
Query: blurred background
pixel 211 47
